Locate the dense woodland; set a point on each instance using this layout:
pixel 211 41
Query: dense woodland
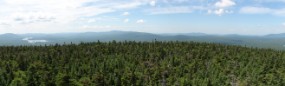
pixel 132 63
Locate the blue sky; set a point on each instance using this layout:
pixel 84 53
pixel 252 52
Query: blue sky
pixel 246 17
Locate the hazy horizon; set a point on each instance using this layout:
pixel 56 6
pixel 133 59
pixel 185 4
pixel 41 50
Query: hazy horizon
pixel 179 33
pixel 220 17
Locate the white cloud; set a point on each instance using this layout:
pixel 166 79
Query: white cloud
pixel 4 23
pixel 174 9
pixel 91 20
pixel 179 1
pixel 255 10
pixel 128 5
pixel 126 14
pixel 229 11
pixel 171 10
pixel 219 12
pixel 141 21
pixel 126 20
pixel 33 17
pixel 152 3
pixel 222 7
pixel 34 10
pixel 225 3
pixel 56 15
pixel 209 11
pixel 266 1
pixel 262 10
pixel 279 12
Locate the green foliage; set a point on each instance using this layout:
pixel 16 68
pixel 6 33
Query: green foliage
pixel 18 82
pixel 140 63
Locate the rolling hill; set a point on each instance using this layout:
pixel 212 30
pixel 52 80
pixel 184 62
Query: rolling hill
pixel 275 41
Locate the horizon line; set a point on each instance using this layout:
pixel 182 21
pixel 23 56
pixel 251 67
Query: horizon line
pixel 168 33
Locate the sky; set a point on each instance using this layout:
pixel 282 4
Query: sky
pixel 245 17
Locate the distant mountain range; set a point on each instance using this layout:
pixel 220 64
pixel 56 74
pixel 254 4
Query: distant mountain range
pixel 282 35
pixel 276 41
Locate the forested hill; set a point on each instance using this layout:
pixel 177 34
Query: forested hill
pixel 274 41
pixel 141 63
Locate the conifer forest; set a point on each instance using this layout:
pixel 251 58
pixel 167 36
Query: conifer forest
pixel 130 63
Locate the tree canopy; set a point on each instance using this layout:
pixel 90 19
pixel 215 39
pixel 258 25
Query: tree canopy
pixel 140 63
